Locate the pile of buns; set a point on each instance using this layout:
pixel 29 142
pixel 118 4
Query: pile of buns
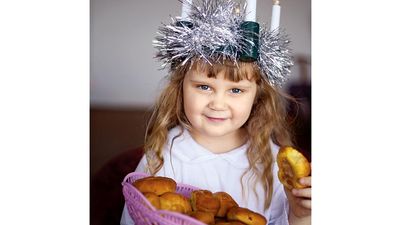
pixel 217 208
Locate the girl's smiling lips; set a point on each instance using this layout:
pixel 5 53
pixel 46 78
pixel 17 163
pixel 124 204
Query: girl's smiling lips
pixel 216 119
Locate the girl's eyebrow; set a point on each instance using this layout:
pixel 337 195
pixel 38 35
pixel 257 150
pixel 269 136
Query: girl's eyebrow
pixel 199 81
pixel 241 86
pixel 231 84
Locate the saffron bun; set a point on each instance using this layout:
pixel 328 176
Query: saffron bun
pixel 157 185
pixel 292 166
pixel 245 216
pixel 203 200
pixel 233 222
pixel 225 201
pixel 153 199
pixel 175 202
pixel 205 217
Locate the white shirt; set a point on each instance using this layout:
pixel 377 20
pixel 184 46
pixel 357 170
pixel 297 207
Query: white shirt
pixel 190 163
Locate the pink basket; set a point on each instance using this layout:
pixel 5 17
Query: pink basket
pixel 143 213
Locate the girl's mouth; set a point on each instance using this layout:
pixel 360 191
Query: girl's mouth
pixel 215 119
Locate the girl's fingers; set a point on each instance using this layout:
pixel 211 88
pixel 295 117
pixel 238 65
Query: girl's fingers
pixel 302 193
pixel 304 203
pixel 305 181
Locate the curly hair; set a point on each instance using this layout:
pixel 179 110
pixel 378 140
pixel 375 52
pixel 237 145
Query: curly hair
pixel 267 120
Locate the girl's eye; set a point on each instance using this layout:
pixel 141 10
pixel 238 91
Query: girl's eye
pixel 204 87
pixel 236 90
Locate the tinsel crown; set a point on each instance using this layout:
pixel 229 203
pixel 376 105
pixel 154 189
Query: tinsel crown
pixel 214 31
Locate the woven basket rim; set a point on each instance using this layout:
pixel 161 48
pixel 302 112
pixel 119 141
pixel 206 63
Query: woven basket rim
pixel 185 219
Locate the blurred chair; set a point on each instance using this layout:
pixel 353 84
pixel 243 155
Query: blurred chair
pixel 106 198
pixel 300 114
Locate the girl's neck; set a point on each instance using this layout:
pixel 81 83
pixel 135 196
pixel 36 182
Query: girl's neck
pixel 221 144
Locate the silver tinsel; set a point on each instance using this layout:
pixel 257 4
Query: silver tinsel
pixel 215 34
pixel 275 57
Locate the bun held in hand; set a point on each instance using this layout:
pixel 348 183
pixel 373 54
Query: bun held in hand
pixel 157 185
pixel 292 166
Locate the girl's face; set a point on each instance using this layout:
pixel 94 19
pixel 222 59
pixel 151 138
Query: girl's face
pixel 217 107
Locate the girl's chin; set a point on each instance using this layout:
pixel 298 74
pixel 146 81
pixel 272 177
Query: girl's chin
pixel 216 132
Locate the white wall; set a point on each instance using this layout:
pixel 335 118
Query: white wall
pixel 123 71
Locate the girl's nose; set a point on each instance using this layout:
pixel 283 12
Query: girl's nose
pixel 217 102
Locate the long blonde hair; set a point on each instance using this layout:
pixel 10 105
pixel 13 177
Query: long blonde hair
pixel 267 121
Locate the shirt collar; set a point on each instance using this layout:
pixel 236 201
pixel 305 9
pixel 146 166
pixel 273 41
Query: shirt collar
pixel 188 150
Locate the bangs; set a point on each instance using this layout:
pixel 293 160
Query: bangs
pixel 232 72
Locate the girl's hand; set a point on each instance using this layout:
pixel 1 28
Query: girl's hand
pixel 300 199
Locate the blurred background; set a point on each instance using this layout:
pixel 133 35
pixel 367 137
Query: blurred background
pixel 125 80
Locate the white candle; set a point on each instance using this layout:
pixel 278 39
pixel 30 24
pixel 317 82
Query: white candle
pixel 251 10
pixel 186 5
pixel 276 13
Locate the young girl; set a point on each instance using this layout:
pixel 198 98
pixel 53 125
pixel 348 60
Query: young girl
pixel 218 125
pixel 218 128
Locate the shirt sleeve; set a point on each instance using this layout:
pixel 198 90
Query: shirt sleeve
pixel 142 166
pixel 126 218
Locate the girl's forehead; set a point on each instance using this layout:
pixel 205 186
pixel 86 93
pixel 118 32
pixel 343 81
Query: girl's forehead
pixel 229 72
pixel 220 78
